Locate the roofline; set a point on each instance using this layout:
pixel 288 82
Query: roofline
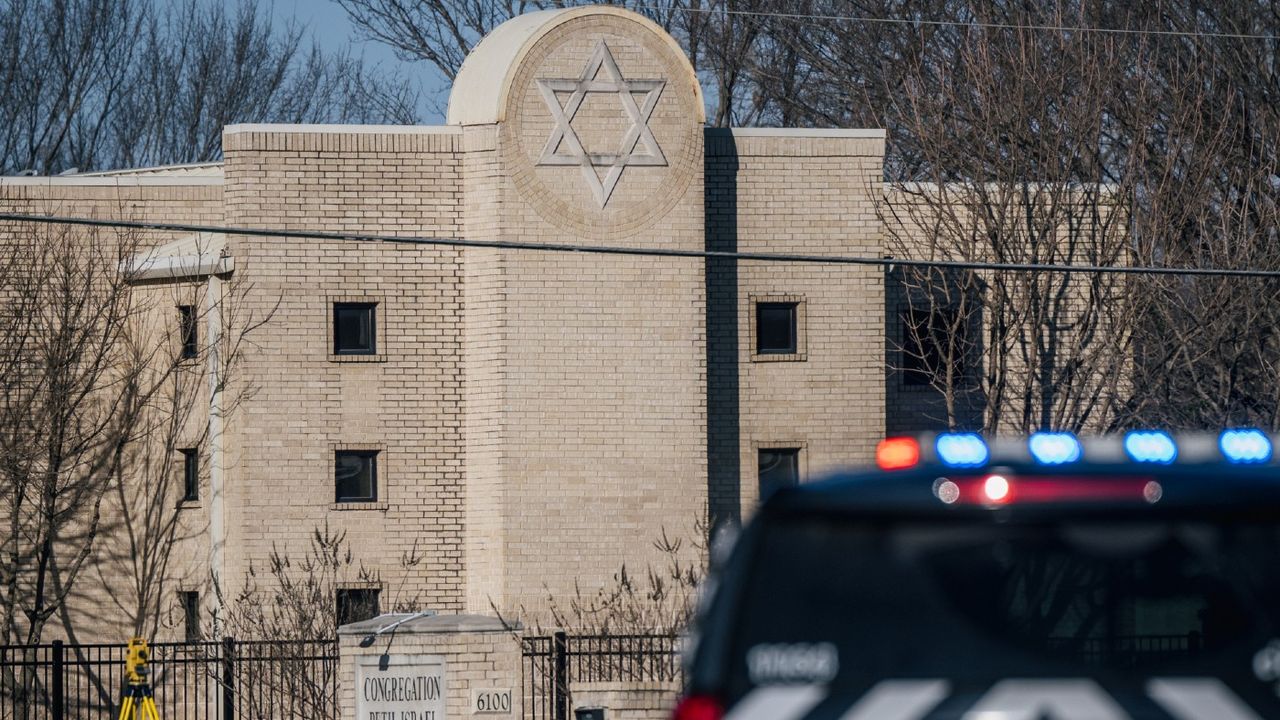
pixel 156 169
pixel 138 180
pixel 933 187
pixel 343 129
pixel 479 96
pixel 781 132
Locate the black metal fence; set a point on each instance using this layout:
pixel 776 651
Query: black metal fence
pixel 255 680
pixel 552 664
pixel 223 680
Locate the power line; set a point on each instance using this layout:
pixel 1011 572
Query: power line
pixel 638 251
pixel 958 23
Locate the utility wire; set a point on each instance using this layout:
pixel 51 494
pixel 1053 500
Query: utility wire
pixel 957 23
pixel 639 251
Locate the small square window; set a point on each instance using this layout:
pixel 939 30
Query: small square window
pixel 354 329
pixel 190 474
pixel 778 468
pixel 189 331
pixel 775 328
pixel 356 604
pixel 190 601
pixel 926 340
pixel 356 475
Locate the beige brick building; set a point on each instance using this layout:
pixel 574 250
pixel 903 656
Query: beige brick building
pixel 524 420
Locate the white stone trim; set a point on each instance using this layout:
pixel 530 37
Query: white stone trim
pixel 181 266
pixel 923 188
pixel 343 129
pixel 479 92
pixel 206 169
pixel 114 180
pixel 193 256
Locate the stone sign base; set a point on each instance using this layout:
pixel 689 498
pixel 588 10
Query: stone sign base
pixel 429 668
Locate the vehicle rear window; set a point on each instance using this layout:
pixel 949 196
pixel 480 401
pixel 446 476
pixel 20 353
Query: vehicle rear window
pixel 955 600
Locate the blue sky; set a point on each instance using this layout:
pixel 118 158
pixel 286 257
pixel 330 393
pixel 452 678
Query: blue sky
pixel 328 23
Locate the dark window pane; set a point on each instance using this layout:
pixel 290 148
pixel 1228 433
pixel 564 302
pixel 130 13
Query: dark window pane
pixel 187 327
pixel 353 329
pixel 779 468
pixel 356 475
pixel 356 604
pixel 190 474
pixel 191 615
pixel 776 328
pixel 927 342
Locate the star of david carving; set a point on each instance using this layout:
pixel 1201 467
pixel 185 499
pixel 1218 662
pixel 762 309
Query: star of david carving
pixel 637 136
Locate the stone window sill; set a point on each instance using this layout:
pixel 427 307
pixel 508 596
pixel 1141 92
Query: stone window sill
pixel 380 505
pixel 779 357
pixel 375 358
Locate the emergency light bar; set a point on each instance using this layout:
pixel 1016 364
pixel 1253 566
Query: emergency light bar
pixel 1236 446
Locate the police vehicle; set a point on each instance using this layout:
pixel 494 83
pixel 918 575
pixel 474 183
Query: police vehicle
pixel 1049 577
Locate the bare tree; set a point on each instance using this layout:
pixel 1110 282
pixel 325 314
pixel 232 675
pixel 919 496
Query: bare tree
pixel 202 68
pixel 725 41
pixel 64 65
pixel 1017 137
pixel 293 601
pixel 660 599
pixel 85 371
pixel 141 561
pixel 1209 355
pixel 1011 139
pixel 94 84
pixel 76 376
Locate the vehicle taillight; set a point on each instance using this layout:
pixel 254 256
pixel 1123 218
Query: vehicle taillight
pixel 996 488
pixel 993 490
pixel 698 707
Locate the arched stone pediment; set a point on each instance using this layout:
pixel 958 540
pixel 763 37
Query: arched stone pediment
pixel 600 115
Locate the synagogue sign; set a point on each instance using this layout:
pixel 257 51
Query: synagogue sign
pixel 411 687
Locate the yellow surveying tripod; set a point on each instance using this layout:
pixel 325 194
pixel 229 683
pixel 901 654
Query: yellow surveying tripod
pixel 139 702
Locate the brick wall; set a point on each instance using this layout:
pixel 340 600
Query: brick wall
pixel 97 609
pixel 804 193
pixel 406 401
pixel 603 357
pixel 541 418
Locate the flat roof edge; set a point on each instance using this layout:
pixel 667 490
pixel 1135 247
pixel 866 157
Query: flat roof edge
pixel 848 133
pixel 347 129
pixel 113 181
pixel 926 187
pixel 208 169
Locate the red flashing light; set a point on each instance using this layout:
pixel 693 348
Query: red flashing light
pixel 897 453
pixel 996 488
pixel 993 490
pixel 698 707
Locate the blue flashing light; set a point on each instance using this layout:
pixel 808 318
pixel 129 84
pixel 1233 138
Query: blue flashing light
pixel 1245 446
pixel 962 450
pixel 1054 448
pixel 1150 446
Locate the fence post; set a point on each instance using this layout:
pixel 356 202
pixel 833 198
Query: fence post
pixel 59 701
pixel 228 678
pixel 560 661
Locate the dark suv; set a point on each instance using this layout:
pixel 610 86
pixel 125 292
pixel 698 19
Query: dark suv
pixel 1133 576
